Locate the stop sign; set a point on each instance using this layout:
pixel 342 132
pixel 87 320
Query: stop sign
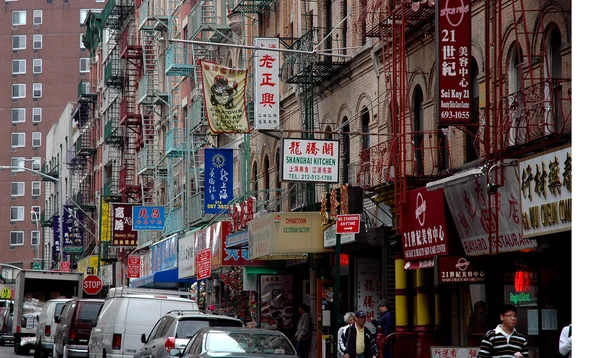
pixel 92 284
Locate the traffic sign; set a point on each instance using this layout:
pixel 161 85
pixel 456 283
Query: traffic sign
pixel 37 266
pixel 92 284
pixel 5 293
pixel 346 224
pixel 65 266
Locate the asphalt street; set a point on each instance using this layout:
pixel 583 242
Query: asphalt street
pixel 8 352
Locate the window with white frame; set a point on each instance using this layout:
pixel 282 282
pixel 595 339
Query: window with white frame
pixel 36 163
pixel 82 15
pixel 19 67
pixel 19 18
pixel 16 163
pixel 37 90
pixel 17 238
pixel 35 213
pixel 18 91
pixel 37 42
pixel 37 17
pixel 17 213
pixel 36 115
pixel 37 65
pixel 35 238
pixel 36 188
pixel 84 65
pixel 81 45
pixel 19 42
pixel 36 139
pixel 18 115
pixel 17 140
pixel 17 188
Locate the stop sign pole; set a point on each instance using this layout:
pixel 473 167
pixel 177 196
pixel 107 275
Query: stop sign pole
pixel 91 285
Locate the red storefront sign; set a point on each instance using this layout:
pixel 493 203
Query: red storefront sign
pixel 453 60
pixel 451 269
pixel 203 264
pixel 122 226
pixel 215 236
pixel 134 266
pixel 424 225
pixel 240 214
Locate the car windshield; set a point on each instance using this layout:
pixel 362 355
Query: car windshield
pixel 242 342
pixel 89 311
pixel 188 327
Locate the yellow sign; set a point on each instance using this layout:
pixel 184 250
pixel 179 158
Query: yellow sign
pixel 5 293
pixel 105 229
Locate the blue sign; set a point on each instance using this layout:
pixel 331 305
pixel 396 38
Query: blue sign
pixel 164 254
pixel 72 232
pixel 218 180
pixel 237 239
pixel 150 218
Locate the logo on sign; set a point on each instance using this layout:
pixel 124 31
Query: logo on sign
pixel 420 211
pixel 462 264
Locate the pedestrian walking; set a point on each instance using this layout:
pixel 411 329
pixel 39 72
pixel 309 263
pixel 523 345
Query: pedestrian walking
pixel 564 345
pixel 349 318
pixel 386 321
pixel 303 331
pixel 504 340
pixel 357 341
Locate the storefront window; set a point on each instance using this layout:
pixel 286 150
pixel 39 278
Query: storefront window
pixel 476 312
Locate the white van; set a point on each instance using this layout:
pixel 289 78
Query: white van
pixel 126 314
pixel 46 328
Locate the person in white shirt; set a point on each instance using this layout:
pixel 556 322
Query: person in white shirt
pixel 349 318
pixel 564 345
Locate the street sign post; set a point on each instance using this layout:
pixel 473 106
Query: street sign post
pixel 37 266
pixel 92 284
pixel 348 224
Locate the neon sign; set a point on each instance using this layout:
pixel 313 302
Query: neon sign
pixel 520 297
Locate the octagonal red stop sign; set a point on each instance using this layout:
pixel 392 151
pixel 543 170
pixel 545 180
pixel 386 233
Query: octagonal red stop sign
pixel 92 284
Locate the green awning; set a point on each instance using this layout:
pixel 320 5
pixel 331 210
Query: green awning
pixel 258 270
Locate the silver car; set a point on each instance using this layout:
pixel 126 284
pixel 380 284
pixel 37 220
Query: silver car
pixel 175 329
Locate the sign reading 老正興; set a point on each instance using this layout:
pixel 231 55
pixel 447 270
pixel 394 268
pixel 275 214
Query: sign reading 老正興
pixel 546 192
pixel 266 84
pixel 218 180
pixel 310 160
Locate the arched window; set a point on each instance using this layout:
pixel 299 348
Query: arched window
pixel 328 135
pixel 472 145
pixel 267 179
pixel 254 179
pixel 346 149
pixel 553 86
pixel 418 124
pixel 365 120
pixel 515 103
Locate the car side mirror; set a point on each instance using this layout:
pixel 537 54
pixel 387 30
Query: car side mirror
pixel 175 352
pixel 56 319
pixel 144 338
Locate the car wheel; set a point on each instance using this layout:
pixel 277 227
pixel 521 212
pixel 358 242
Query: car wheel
pixel 37 351
pixel 1 342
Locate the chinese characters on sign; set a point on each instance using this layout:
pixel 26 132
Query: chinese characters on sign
pixel 123 234
pixel 450 269
pixel 454 60
pixel 310 160
pixel 546 193
pixel 150 218
pixel 134 266
pixel 72 230
pixel 203 264
pixel 266 84
pixel 218 180
pixel 453 352
pixel 368 286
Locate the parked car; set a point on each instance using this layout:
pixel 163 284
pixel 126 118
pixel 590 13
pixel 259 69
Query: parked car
pixel 175 329
pixel 46 328
pixel 74 327
pixel 127 314
pixel 237 342
pixel 6 322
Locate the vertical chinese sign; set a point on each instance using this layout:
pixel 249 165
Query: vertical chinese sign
pixel 453 19
pixel 218 180
pixel 310 160
pixel 368 286
pixel 224 91
pixel 105 228
pixel 123 234
pixel 266 84
pixel 72 230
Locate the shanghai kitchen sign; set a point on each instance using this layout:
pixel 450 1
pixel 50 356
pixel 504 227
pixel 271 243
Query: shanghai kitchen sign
pixel 310 160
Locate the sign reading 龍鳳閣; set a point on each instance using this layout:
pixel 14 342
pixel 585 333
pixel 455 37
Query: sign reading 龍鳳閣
pixel 310 160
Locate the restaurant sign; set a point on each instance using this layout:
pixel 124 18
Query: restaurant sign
pixel 310 160
pixel 452 269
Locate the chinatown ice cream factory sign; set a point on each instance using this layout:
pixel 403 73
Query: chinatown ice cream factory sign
pixel 546 193
pixel 310 160
pixel 424 225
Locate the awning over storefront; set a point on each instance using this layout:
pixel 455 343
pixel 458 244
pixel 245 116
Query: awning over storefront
pixel 284 236
pixel 161 278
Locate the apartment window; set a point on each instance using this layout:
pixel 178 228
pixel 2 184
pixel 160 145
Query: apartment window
pixel 17 213
pixel 37 42
pixel 36 163
pixel 37 17
pixel 19 18
pixel 35 213
pixel 17 238
pixel 37 65
pixel 36 115
pixel 81 45
pixel 17 162
pixel 84 65
pixel 18 115
pixel 17 140
pixel 17 188
pixel 37 90
pixel 83 15
pixel 35 238
pixel 18 91
pixel 36 139
pixel 19 67
pixel 36 188
pixel 19 42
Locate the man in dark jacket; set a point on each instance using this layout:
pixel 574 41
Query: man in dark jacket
pixel 386 321
pixel 357 340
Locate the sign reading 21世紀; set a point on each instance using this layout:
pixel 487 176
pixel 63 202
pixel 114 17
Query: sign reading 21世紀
pixel 218 180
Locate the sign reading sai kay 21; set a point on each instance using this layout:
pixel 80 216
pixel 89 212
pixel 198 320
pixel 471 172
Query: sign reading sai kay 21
pixel 123 234
pixel 454 60
pixel 450 269
pixel 310 160
pixel 150 218
pixel 546 192
pixel 218 179
pixel 266 84
pixel 424 226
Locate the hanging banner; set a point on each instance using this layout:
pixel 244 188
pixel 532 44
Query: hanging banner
pixel 72 230
pixel 453 19
pixel 122 225
pixel 224 91
pixel 218 180
pixel 310 160
pixel 476 222
pixel 105 228
pixel 368 285
pixel 164 254
pixel 266 84
pixel 55 238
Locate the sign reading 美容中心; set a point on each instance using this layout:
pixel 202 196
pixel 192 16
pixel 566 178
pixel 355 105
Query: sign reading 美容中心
pixel 123 234
pixel 310 160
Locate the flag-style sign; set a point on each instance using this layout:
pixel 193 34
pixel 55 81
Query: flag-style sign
pixel 218 179
pixel 122 225
pixel 224 91
pixel 266 83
